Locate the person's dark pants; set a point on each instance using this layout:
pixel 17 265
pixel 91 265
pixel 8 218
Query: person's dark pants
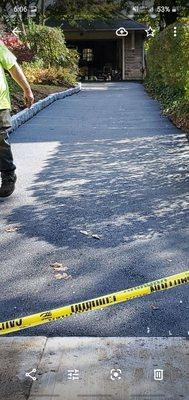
pixel 6 157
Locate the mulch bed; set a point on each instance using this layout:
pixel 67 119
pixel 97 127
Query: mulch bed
pixel 39 91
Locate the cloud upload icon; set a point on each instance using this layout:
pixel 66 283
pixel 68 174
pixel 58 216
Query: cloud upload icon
pixel 121 32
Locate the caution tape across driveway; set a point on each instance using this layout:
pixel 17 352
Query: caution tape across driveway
pixel 44 317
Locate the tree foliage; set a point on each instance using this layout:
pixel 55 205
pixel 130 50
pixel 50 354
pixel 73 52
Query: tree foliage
pixel 166 17
pixel 72 10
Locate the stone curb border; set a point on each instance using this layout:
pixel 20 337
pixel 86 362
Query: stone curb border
pixel 23 116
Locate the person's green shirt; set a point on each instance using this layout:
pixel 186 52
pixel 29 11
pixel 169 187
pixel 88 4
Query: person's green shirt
pixel 7 60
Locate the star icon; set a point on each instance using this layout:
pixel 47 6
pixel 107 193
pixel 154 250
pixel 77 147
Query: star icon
pixel 150 32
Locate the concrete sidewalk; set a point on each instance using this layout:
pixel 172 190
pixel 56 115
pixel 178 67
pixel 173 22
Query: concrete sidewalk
pixel 93 368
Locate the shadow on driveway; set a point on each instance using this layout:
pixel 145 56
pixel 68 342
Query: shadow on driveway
pixel 122 190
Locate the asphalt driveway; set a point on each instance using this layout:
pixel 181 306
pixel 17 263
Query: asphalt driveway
pixel 103 161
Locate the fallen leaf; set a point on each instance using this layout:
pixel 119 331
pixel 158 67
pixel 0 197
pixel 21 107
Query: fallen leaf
pixel 63 276
pixel 59 267
pixel 58 276
pixel 11 229
pixel 56 264
pixel 59 270
pixel 85 233
pixel 96 236
pixel 154 307
pixel 90 234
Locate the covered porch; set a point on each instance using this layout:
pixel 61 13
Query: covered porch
pixel 104 56
pixel 99 59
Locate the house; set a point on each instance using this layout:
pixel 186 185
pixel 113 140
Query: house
pixel 103 54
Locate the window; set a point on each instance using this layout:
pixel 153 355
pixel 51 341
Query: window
pixel 87 54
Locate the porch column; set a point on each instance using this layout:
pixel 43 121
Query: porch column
pixel 133 40
pixel 123 57
pixel 143 59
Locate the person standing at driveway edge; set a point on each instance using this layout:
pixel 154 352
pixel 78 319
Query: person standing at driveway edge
pixel 7 168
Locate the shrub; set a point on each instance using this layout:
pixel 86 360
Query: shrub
pixel 72 60
pixel 168 62
pixel 49 45
pixel 18 48
pixel 54 75
pixel 187 86
pixel 53 63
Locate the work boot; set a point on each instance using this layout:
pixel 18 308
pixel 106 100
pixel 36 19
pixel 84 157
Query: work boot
pixel 8 183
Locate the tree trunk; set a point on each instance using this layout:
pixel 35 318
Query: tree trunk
pixel 42 19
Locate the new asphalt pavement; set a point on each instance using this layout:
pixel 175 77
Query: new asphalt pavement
pixel 102 162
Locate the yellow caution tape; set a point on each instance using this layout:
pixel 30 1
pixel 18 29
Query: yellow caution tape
pixel 94 304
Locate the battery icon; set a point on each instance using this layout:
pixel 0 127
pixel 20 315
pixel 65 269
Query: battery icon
pixel 174 9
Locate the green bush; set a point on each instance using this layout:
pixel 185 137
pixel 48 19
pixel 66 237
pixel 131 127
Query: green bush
pixel 167 67
pixel 187 86
pixel 53 62
pixel 48 44
pixel 55 75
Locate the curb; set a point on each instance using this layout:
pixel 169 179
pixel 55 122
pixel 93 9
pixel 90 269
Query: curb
pixel 23 116
pixel 136 359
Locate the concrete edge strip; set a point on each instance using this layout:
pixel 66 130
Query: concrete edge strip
pixel 23 116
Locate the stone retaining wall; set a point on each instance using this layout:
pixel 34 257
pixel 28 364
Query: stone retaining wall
pixel 28 113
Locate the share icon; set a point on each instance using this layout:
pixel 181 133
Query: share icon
pixel 28 374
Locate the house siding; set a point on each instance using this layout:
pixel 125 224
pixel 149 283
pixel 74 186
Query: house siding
pixel 134 57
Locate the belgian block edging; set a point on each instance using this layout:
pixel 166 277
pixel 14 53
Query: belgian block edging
pixel 28 113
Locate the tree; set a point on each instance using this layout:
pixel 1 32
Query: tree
pixel 166 16
pixel 15 14
pixel 18 12
pixel 73 10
